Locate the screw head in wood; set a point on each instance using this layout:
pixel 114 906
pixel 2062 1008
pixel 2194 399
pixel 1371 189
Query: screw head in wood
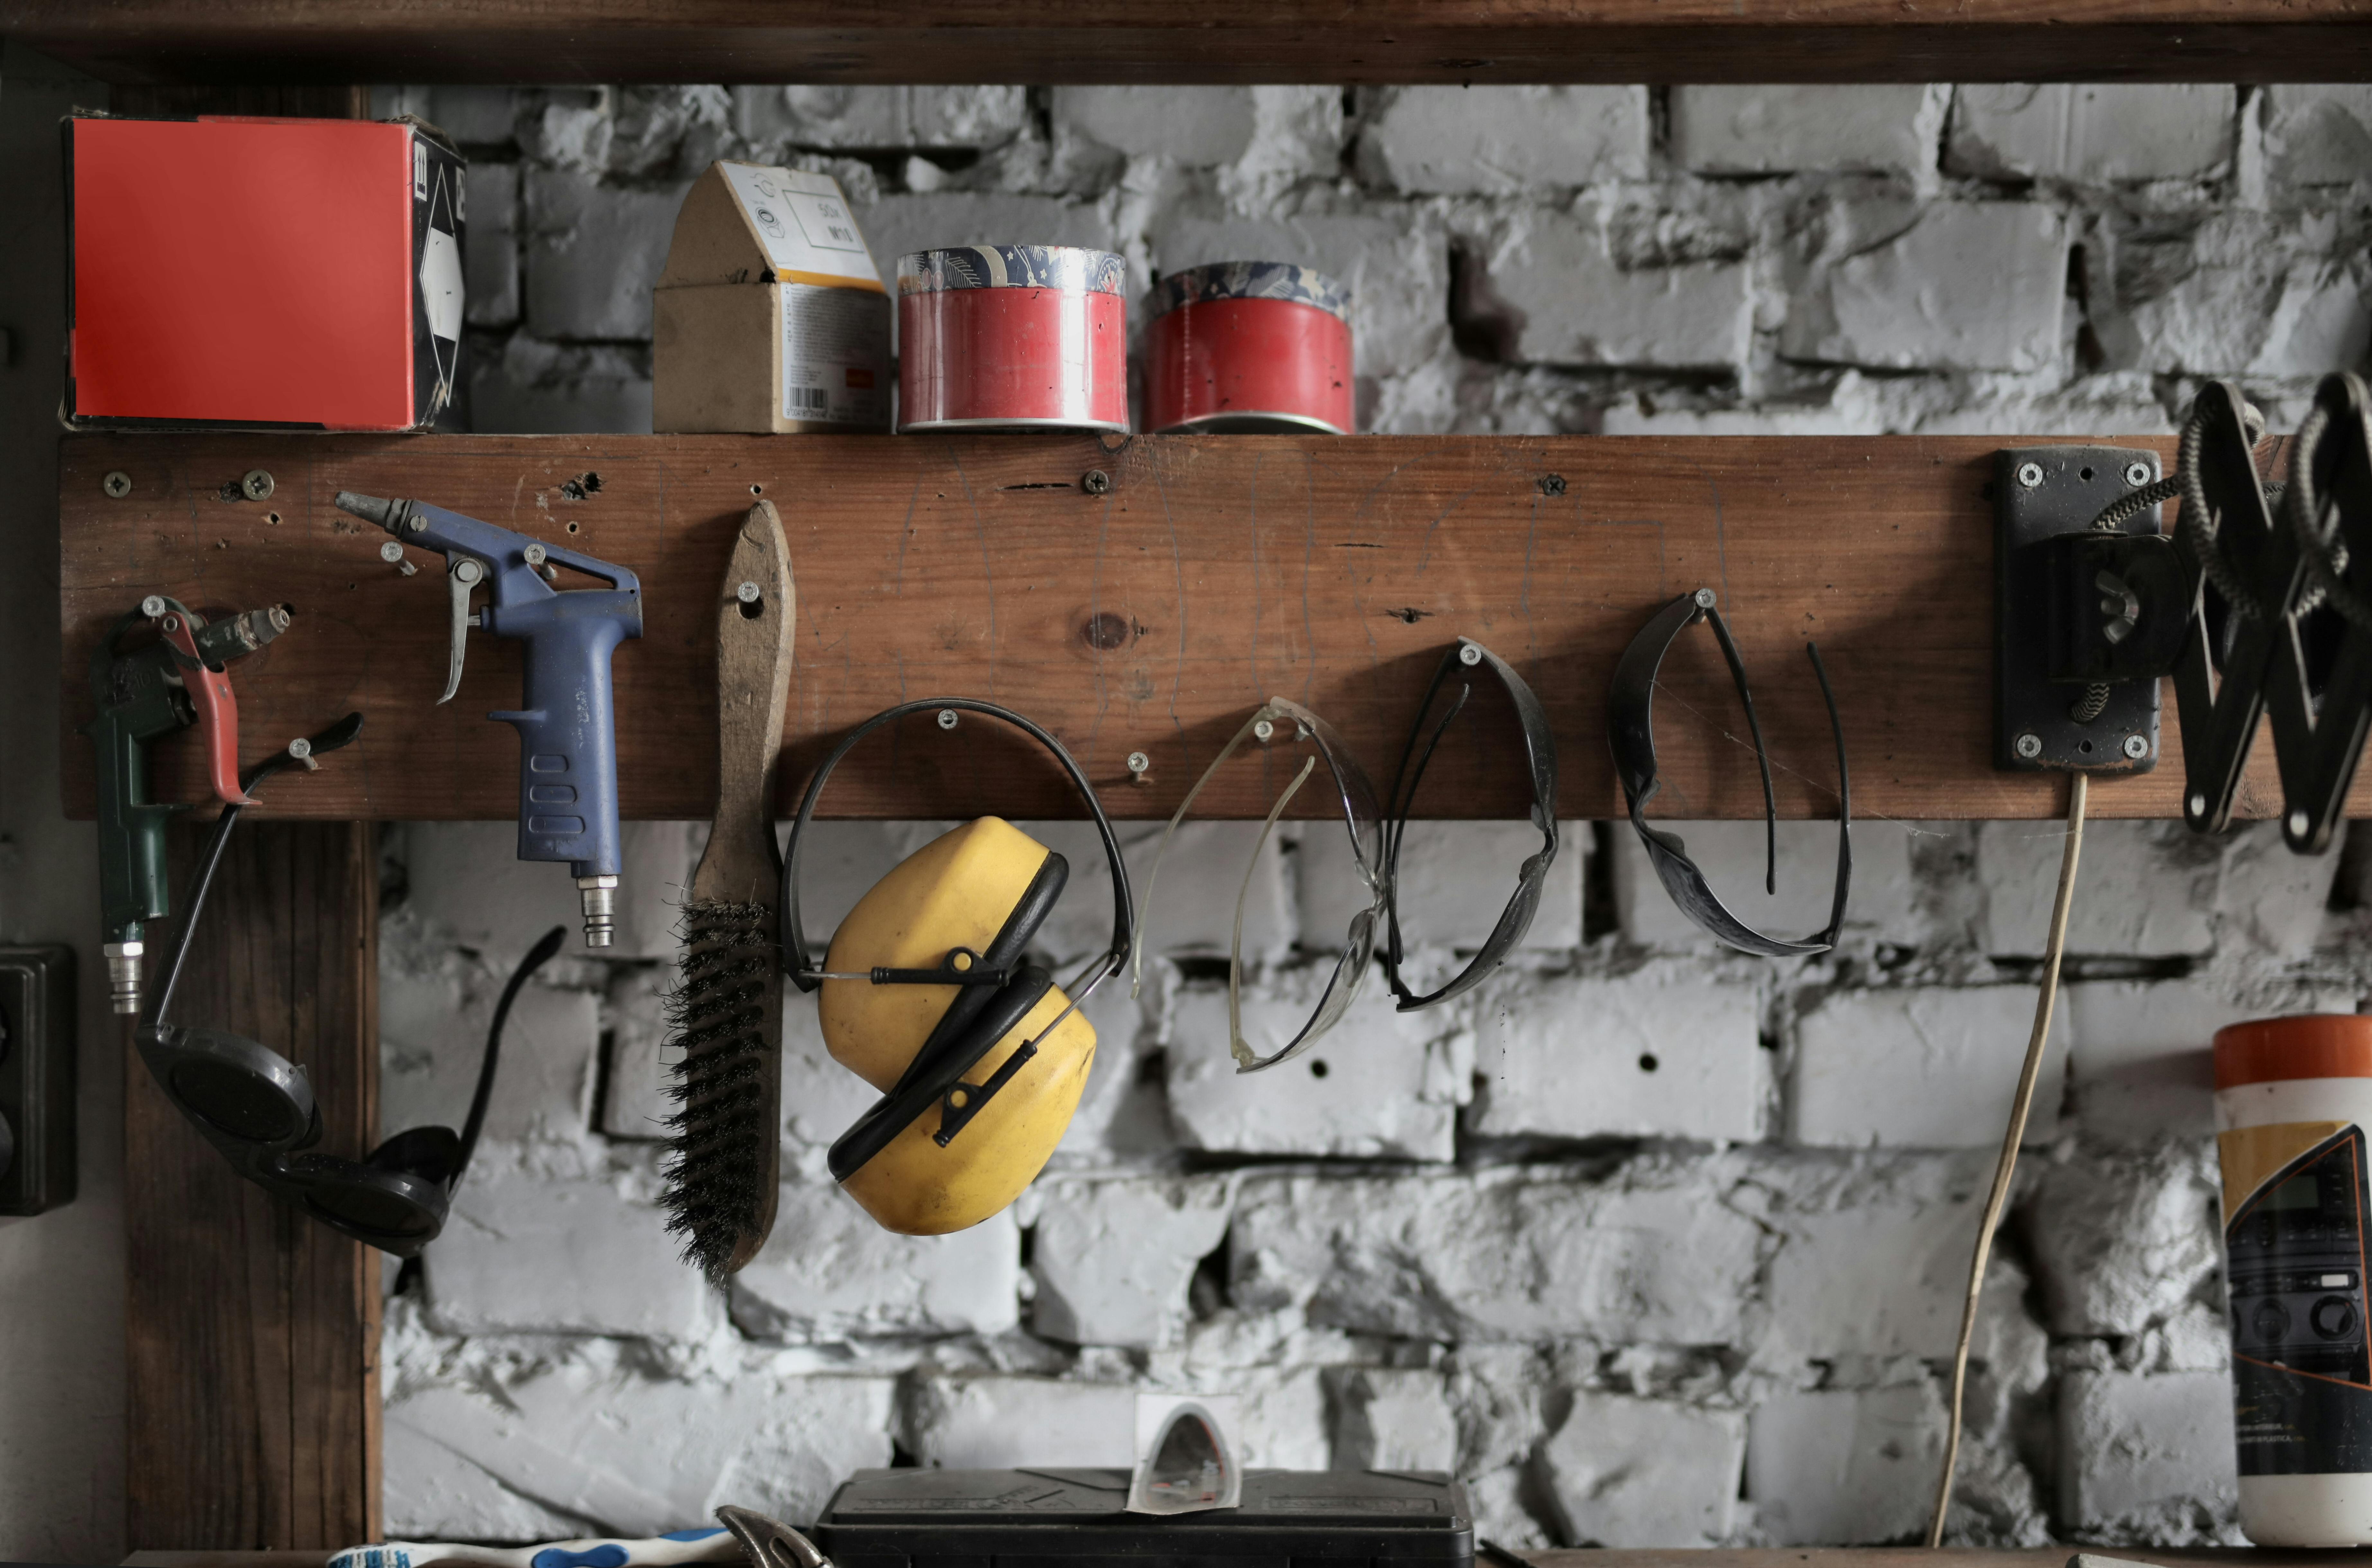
pixel 1138 762
pixel 947 718
pixel 1263 730
pixel 1095 482
pixel 746 593
pixel 2137 747
pixel 535 554
pixel 2029 746
pixel 1552 484
pixel 153 606
pixel 117 484
pixel 1704 598
pixel 2137 474
pixel 257 485
pixel 2029 475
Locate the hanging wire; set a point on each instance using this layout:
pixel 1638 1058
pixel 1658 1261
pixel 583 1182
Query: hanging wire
pixel 2012 1137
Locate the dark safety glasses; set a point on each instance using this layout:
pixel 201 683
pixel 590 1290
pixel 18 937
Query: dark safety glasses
pixel 1631 731
pixel 1289 734
pixel 257 1108
pixel 1444 700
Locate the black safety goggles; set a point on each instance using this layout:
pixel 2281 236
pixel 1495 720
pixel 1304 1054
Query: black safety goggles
pixel 257 1108
pixel 1452 688
pixel 1631 732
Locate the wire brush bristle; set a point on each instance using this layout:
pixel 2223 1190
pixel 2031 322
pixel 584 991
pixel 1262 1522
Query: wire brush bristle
pixel 719 1173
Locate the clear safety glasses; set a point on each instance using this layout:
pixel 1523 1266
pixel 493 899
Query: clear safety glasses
pixel 1294 741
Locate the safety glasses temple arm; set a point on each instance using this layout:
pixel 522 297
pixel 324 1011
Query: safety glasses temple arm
pixel 1236 1045
pixel 1144 910
pixel 1845 800
pixel 1761 756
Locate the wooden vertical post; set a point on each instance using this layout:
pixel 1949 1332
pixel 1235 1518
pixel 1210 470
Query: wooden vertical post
pixel 252 1330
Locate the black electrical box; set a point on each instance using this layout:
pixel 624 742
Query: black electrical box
pixel 1078 1518
pixel 37 1078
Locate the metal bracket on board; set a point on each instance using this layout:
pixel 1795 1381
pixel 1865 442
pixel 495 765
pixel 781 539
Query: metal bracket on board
pixel 37 1079
pixel 2084 621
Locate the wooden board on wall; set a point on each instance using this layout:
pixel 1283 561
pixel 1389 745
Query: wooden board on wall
pixel 252 1330
pixel 1220 41
pixel 1214 573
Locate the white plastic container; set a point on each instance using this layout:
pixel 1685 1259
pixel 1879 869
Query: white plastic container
pixel 2292 1103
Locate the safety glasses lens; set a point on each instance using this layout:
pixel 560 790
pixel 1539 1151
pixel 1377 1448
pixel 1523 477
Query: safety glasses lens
pixel 374 1209
pixel 240 1103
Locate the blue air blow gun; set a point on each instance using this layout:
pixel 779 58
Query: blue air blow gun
pixel 568 736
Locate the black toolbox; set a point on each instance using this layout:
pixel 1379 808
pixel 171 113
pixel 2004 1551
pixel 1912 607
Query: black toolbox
pixel 1078 1518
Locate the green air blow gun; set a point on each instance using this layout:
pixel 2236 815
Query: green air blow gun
pixel 168 684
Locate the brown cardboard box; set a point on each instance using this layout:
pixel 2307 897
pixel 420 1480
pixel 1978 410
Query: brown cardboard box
pixel 769 315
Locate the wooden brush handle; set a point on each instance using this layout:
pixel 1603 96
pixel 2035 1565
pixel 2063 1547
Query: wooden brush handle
pixel 753 682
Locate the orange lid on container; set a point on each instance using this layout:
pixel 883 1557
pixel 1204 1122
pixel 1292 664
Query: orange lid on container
pixel 2312 1045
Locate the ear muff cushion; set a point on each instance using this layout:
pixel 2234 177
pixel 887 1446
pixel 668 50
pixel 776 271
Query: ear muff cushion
pixel 959 890
pixel 916 1188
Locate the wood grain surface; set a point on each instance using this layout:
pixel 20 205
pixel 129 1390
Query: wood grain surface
pixel 1215 572
pixel 253 1332
pixel 1222 40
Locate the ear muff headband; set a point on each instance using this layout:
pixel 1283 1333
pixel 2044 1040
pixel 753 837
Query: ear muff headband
pixel 980 1016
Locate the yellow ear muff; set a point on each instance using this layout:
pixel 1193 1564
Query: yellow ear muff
pixel 959 891
pixel 956 892
pixel 916 1188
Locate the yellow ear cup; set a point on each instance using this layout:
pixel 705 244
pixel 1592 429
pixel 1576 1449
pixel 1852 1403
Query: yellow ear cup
pixel 956 892
pixel 916 1188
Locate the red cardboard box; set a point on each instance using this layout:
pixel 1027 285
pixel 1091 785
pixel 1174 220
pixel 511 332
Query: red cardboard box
pixel 301 274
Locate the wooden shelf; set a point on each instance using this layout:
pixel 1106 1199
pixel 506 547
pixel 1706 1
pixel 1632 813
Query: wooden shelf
pixel 254 42
pixel 1215 572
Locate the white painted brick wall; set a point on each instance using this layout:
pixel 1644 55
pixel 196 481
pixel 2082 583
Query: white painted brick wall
pixel 1608 1298
pixel 1394 1419
pixel 995 1422
pixel 1844 1466
pixel 2319 135
pixel 1383 1083
pixel 2098 133
pixel 599 1440
pixel 1476 140
pixel 1111 1259
pixel 2146 889
pixel 2133 1445
pixel 2126 1243
pixel 828 1274
pixel 1658 1053
pixel 1872 1265
pixel 1646 1473
pixel 1886 128
pixel 1963 286
pixel 524 1251
pixel 1574 303
pixel 1654 1258
pixel 1929 1067
pixel 1189 125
